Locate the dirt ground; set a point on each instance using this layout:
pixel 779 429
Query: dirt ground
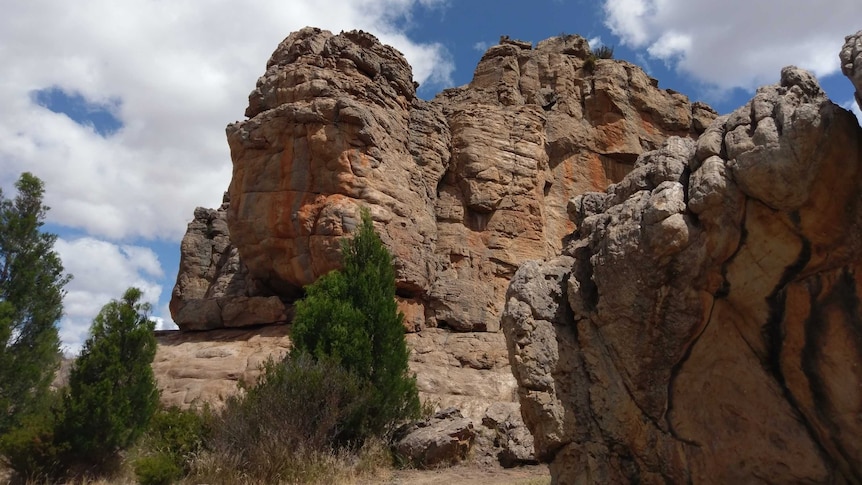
pixel 469 474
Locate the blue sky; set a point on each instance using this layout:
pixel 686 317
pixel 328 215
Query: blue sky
pixel 120 107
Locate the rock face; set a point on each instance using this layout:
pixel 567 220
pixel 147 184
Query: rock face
pixel 703 323
pixel 851 62
pixel 213 287
pixel 463 189
pixel 194 368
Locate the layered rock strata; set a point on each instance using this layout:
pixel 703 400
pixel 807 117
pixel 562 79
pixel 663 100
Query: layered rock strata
pixel 703 323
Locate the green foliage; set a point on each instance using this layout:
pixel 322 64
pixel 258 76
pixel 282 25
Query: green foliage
pixel 158 469
pixel 297 412
pixel 31 302
pixel 177 432
pixel 31 449
pixel 112 392
pixel 173 440
pixel 351 317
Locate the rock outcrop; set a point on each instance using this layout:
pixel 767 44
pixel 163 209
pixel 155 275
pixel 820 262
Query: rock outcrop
pixel 703 323
pixel 463 189
pixel 851 62
pixel 213 287
pixel 444 439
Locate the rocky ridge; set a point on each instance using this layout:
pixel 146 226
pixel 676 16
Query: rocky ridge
pixel 463 189
pixel 702 325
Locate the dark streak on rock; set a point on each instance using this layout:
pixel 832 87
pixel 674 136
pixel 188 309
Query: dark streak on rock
pixel 842 295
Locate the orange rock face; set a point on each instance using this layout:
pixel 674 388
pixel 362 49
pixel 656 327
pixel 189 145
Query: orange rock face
pixel 463 188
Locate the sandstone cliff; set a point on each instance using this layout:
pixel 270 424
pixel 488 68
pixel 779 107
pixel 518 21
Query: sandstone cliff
pixel 463 189
pixel 703 323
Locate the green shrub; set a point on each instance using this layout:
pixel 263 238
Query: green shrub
pixel 158 469
pixel 291 421
pixel 31 449
pixel 177 432
pixel 112 392
pixel 174 434
pixel 351 317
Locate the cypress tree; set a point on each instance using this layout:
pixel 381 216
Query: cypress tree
pixel 351 316
pixel 112 392
pixel 31 303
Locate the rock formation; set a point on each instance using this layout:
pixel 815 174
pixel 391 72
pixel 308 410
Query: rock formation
pixel 463 189
pixel 702 325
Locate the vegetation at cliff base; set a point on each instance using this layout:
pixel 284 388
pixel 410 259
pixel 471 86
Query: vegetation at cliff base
pixel 112 392
pixel 351 316
pixel 331 405
pixel 107 406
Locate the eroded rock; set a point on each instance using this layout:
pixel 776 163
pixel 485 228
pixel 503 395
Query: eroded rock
pixel 463 188
pixel 702 325
pixel 444 439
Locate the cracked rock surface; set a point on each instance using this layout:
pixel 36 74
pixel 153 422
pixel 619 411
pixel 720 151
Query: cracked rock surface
pixel 702 325
pixel 463 188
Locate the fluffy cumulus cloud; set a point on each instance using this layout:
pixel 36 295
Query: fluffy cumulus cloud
pixel 172 75
pixel 102 272
pixel 736 43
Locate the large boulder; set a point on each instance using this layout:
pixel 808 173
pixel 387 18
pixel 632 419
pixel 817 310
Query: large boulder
pixel 443 439
pixel 702 325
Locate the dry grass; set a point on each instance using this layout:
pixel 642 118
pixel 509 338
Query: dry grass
pixel 279 465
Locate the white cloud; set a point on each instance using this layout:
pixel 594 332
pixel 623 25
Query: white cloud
pixel 480 46
pixel 102 271
pixel 595 42
pixel 736 43
pixel 175 74
pixel 180 72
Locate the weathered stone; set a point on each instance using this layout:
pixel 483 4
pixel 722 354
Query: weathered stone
pixel 702 324
pixel 462 189
pixel 511 436
pixel 197 368
pixel 851 62
pixel 213 288
pixel 444 439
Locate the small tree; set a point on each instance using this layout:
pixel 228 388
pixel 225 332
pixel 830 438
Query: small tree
pixel 351 316
pixel 31 303
pixel 112 392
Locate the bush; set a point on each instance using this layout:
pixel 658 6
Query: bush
pixel 158 469
pixel 174 435
pixel 351 317
pixel 291 422
pixel 31 449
